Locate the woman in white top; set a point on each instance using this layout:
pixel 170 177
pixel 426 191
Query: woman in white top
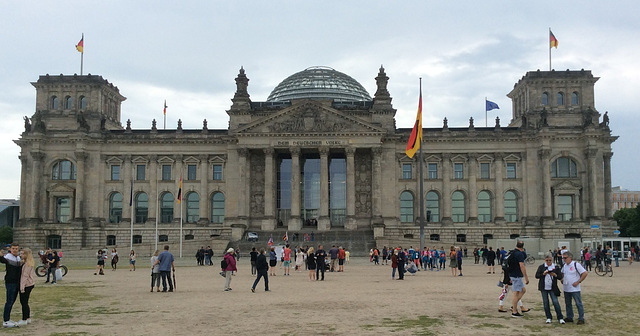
pixel 155 271
pixel 114 259
pixel 299 260
pixel 132 260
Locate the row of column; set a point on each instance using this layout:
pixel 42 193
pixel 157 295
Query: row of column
pixel 295 222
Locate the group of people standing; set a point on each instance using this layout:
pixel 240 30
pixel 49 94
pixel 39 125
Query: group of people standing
pixel 570 273
pixel 19 281
pixel 204 255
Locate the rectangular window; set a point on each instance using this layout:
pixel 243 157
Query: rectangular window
pixel 140 172
pixel 217 172
pixel 511 170
pixel 485 171
pixel 406 171
pixel 166 172
pixel 565 207
pixel 458 171
pixel 433 171
pixel 115 173
pixel 191 172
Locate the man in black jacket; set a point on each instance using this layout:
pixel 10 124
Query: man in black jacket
pixel 402 258
pixel 262 267
pixel 12 282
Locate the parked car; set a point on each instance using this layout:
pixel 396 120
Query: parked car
pixel 252 236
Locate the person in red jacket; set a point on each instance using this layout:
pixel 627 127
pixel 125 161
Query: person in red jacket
pixel 231 267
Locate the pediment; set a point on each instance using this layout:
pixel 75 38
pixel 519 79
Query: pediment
pixel 459 158
pixel 485 158
pixel 60 188
pixel 309 117
pixel 139 159
pixel 566 185
pixel 218 159
pixel 166 160
pixel 432 158
pixel 114 160
pixel 191 159
pixel 511 158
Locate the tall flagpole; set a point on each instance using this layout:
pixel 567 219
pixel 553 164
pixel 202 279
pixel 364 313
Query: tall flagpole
pixel 421 183
pixel 131 205
pixel 180 203
pixel 549 48
pixel 82 55
pixel 157 205
pixel 486 113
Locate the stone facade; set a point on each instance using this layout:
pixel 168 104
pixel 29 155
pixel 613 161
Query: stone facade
pixel 547 174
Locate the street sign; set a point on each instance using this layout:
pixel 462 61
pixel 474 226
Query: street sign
pixel 595 226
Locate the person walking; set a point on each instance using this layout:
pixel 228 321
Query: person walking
pixel 311 264
pixel 299 259
pixel 166 266
pixel 341 256
pixel 574 275
pixel 11 282
pixel 132 260
pixel 459 261
pixel 333 254
pixel 155 271
pixel 54 263
pixel 321 264
pixel 231 267
pixel 286 257
pixel 394 263
pixel 114 259
pixel 262 268
pixel 548 275
pixel 27 282
pixel 518 273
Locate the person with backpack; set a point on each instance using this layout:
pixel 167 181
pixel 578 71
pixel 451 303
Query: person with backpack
pixel 228 265
pixel 574 275
pixel 548 275
pixel 519 278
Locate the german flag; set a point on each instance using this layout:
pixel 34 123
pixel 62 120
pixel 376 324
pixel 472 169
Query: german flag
pixel 416 134
pixel 80 45
pixel 553 41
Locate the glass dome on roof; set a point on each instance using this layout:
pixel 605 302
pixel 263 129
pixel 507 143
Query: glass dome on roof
pixel 319 83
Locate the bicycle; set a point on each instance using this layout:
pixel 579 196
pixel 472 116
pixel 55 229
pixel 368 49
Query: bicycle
pixel 530 259
pixel 41 270
pixel 604 268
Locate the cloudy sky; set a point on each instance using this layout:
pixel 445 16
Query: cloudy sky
pixel 189 52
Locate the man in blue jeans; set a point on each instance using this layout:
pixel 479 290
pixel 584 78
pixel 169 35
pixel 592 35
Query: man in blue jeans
pixel 574 274
pixel 11 282
pixel 165 260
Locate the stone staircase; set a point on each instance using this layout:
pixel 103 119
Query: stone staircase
pixel 358 242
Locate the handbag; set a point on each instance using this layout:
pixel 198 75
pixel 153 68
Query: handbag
pixel 58 274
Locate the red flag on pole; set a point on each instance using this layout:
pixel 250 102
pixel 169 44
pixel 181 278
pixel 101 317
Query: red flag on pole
pixel 80 45
pixel 553 41
pixel 180 190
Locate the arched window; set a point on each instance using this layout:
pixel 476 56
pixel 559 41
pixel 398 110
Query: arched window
pixel 458 214
pixel 68 102
pixel 142 207
pixel 545 98
pixel 54 103
pixel 193 207
pixel 510 206
pixel 83 102
pixel 406 207
pixel 115 207
pixel 217 208
pixel 560 99
pixel 63 170
pixel 564 167
pixel 484 207
pixel 166 208
pixel 575 98
pixel 433 205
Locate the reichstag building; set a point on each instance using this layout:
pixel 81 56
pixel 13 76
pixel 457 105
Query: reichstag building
pixel 319 155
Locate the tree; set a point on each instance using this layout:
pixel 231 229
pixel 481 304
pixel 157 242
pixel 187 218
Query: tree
pixel 6 234
pixel 629 221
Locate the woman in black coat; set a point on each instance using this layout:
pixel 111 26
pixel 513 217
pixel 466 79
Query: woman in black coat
pixel 548 275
